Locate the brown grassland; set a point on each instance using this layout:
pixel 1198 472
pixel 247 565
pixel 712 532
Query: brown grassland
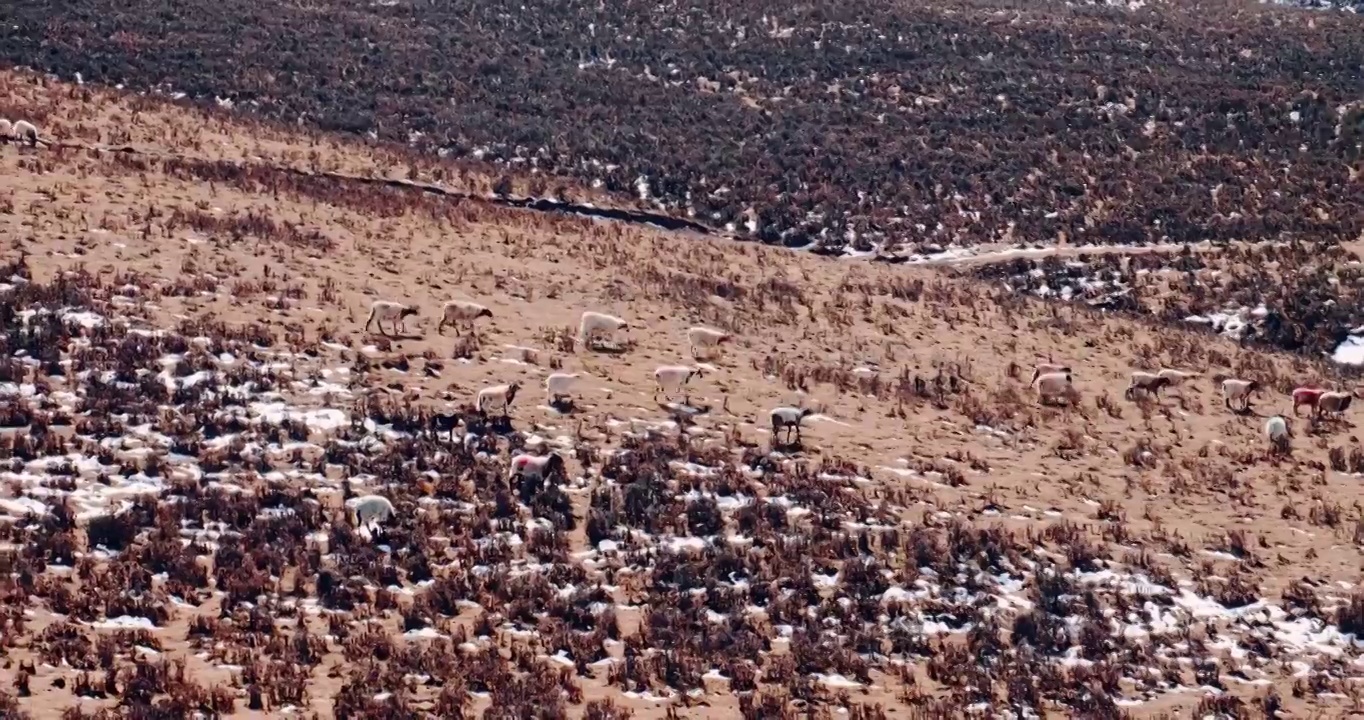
pixel 940 546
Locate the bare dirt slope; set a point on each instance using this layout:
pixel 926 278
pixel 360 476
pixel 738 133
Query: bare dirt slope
pixel 1177 492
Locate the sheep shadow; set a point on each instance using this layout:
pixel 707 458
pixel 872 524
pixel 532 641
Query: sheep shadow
pixel 395 338
pixel 564 406
pixel 683 414
pixel 789 446
pixel 683 408
pixel 607 349
pixel 492 426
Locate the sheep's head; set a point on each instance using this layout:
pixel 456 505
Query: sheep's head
pixel 806 412
pixel 408 311
pixel 1252 386
pixel 555 465
pixel 485 312
pixel 512 389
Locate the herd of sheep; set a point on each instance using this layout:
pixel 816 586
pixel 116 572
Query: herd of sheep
pixel 1054 382
pixel 494 402
pixel 18 131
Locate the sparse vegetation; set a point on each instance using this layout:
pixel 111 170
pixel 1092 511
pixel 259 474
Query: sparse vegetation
pixel 186 399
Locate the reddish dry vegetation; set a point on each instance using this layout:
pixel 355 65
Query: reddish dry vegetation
pixel 838 123
pixel 188 400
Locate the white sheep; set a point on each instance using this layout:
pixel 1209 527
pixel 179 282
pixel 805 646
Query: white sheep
pixel 1047 368
pixel 595 323
pixel 559 385
pixel 536 467
pixel 1054 385
pixel 25 130
pixel 461 313
pixel 1278 433
pixel 788 419
pixel 672 378
pixel 1175 377
pixel 1334 402
pixel 1148 383
pixel 705 341
pixel 1234 389
pixel 393 312
pixel 368 510
pixel 497 396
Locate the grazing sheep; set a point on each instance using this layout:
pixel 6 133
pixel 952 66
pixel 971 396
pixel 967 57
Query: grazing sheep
pixel 537 467
pixel 1278 433
pixel 671 378
pixel 368 510
pixel 1175 377
pixel 1047 369
pixel 1307 396
pixel 705 341
pixel 595 323
pixel 461 313
pixel 497 396
pixel 25 130
pixel 788 419
pixel 387 310
pixel 1238 390
pixel 1334 403
pixel 560 385
pixel 1053 385
pixel 1148 383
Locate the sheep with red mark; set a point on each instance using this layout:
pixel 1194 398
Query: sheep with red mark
pixel 529 472
pixel 1308 396
pixel 525 465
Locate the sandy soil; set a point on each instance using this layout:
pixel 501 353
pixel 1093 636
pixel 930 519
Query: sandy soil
pixel 798 316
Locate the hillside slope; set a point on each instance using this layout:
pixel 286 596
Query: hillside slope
pixel 947 544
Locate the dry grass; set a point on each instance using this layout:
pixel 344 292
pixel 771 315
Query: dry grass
pixel 940 541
